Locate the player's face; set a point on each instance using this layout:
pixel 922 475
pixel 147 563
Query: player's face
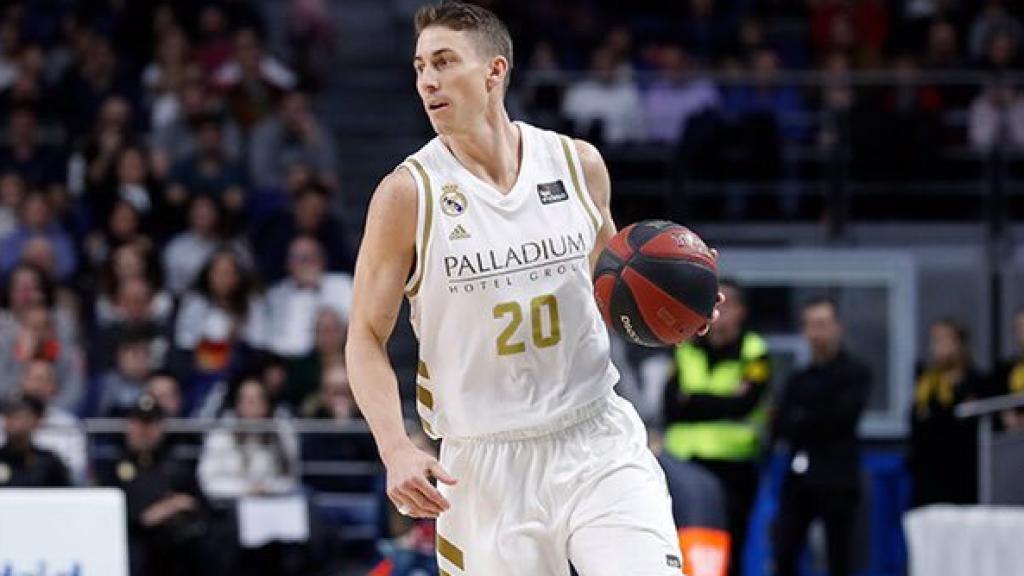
pixel 451 79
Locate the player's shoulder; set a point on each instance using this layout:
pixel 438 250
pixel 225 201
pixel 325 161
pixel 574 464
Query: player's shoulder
pixel 590 156
pixel 397 189
pixel 587 152
pixel 392 214
pixel 594 171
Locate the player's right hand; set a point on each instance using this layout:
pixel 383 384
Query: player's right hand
pixel 409 472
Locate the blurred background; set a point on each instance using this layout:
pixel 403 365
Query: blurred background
pixel 182 191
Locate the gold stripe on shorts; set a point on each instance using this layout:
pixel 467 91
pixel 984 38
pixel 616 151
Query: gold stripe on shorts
pixel 421 369
pixel 450 552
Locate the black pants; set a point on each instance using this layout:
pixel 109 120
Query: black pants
pixel 799 506
pixel 739 485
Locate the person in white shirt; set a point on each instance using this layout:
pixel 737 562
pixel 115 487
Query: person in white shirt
pixel 187 253
pixel 996 118
pixel 293 303
pixel 223 307
pixel 607 104
pixel 234 463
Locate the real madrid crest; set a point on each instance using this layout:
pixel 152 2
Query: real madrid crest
pixel 453 201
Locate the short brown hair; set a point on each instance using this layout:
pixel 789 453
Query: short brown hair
pixel 491 34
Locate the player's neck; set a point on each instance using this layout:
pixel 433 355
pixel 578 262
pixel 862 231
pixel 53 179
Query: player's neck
pixel 491 150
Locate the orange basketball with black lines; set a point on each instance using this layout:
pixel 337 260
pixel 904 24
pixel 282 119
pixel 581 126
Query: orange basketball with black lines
pixel 656 283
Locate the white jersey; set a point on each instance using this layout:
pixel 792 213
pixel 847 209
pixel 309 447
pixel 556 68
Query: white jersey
pixel 501 295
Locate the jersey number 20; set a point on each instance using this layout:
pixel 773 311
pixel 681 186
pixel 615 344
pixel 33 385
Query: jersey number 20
pixel 540 307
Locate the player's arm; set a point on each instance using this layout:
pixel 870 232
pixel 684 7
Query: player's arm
pixel 385 258
pixel 600 187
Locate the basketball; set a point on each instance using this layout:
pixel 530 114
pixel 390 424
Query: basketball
pixel 656 283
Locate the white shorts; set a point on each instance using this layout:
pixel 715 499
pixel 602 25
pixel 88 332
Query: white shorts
pixel 584 490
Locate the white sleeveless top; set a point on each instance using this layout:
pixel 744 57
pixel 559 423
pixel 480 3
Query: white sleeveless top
pixel 502 300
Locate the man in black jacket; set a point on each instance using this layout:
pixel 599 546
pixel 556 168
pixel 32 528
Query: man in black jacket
pixel 817 417
pixel 23 465
pixel 166 518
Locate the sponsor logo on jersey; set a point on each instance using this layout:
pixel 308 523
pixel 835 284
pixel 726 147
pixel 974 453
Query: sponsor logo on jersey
pixel 529 261
pixel 673 561
pixel 458 233
pixel 513 258
pixel 552 192
pixel 453 201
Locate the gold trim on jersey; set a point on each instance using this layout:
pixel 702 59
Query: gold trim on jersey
pixel 428 428
pixel 424 396
pixel 421 369
pixel 450 552
pixel 428 220
pixel 441 572
pixel 576 183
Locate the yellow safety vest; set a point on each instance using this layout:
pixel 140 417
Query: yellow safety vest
pixel 719 439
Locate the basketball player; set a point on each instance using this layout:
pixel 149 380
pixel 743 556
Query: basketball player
pixel 490 231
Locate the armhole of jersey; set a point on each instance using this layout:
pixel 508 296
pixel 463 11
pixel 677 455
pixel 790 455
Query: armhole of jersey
pixel 424 220
pixel 579 183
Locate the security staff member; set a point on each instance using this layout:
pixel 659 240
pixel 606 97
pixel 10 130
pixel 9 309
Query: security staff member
pixel 817 417
pixel 23 465
pixel 713 409
pixel 166 521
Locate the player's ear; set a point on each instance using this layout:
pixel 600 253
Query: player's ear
pixel 497 72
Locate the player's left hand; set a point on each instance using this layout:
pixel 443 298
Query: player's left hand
pixel 718 302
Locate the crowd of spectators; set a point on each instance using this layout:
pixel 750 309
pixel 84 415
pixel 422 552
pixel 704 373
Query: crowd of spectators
pixel 642 58
pixel 168 248
pixel 879 91
pixel 167 196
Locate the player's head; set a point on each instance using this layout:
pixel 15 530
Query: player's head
pixel 463 60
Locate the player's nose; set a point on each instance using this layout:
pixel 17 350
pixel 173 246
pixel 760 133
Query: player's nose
pixel 428 82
